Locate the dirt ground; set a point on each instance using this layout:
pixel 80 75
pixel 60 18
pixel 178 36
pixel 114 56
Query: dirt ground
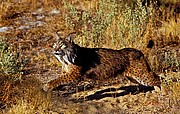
pixel 29 28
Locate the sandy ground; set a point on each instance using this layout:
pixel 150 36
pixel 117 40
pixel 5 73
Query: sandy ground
pixel 31 35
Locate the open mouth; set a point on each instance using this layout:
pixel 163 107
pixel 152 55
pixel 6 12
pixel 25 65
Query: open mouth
pixel 61 57
pixel 58 53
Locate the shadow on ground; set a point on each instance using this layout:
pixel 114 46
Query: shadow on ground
pixel 113 92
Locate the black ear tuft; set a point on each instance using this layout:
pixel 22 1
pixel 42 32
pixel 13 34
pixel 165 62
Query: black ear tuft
pixel 150 44
pixel 57 36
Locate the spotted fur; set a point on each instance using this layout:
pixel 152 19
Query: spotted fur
pixel 100 64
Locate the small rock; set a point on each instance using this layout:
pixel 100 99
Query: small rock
pixel 54 11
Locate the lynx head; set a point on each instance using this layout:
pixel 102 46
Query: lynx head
pixel 65 50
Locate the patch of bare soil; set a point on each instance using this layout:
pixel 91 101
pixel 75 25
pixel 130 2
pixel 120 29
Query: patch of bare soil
pixel 30 32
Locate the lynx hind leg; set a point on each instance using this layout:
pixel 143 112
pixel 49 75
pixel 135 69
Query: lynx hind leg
pixel 141 72
pixel 72 75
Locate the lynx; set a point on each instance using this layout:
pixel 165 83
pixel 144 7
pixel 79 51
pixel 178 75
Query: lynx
pixel 99 64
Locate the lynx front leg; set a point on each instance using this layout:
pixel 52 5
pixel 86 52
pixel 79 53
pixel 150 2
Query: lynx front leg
pixel 72 75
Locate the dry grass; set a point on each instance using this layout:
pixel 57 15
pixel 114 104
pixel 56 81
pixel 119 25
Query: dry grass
pixel 116 25
pixel 170 1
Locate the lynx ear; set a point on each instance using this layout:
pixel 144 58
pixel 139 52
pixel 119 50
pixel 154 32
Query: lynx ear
pixel 70 37
pixel 57 36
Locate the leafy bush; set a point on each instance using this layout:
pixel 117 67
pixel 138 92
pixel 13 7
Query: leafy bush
pixel 118 22
pixel 92 23
pixel 9 63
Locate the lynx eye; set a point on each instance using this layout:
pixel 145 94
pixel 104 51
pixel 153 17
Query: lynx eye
pixel 63 46
pixel 54 45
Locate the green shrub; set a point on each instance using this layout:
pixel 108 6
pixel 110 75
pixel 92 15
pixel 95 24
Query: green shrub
pixel 10 66
pixel 126 22
pixel 92 23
